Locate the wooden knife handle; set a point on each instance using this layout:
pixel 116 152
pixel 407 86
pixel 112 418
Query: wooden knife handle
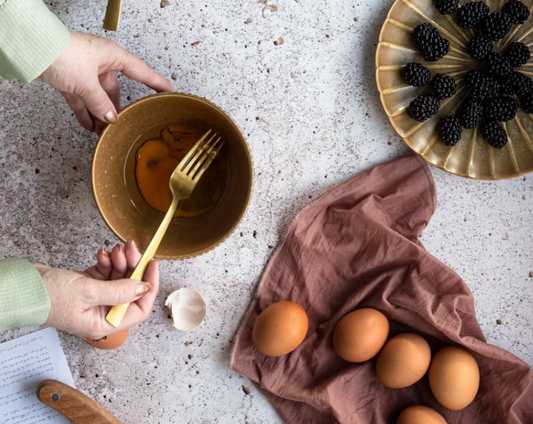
pixel 74 405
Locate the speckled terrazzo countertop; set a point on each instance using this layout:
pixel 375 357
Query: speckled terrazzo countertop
pixel 300 82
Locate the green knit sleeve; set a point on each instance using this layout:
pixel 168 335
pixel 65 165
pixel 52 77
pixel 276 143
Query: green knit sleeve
pixel 24 300
pixel 31 39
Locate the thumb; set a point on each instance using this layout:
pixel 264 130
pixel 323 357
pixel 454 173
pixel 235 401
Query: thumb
pixel 110 293
pixel 97 102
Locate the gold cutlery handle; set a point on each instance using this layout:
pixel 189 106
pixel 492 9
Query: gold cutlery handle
pixel 116 313
pixel 112 15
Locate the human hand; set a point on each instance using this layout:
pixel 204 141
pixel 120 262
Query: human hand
pixel 86 75
pixel 81 300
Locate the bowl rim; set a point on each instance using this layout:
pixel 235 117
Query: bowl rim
pixel 250 187
pixel 396 129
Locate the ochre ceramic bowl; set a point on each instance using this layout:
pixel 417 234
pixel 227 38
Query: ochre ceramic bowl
pixel 115 188
pixel 472 157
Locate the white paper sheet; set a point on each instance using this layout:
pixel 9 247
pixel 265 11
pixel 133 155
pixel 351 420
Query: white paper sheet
pixel 24 363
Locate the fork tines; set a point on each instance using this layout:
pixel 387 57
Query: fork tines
pixel 202 156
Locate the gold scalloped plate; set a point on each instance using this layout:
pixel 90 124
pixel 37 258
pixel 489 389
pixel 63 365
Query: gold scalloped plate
pixel 472 157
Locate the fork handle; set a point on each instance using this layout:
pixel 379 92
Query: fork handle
pixel 116 313
pixel 112 15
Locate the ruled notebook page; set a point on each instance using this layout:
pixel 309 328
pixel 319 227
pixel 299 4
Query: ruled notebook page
pixel 24 363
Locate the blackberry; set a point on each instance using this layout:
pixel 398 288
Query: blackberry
pixel 429 42
pixel 496 26
pixel 471 14
pixel 518 54
pixel 494 134
pixel 500 108
pixel 423 107
pixel 517 10
pixel 516 84
pixel 479 47
pixel 499 65
pixel 446 7
pixel 471 113
pixel 526 102
pixel 480 84
pixel 443 86
pixel 416 75
pixel 450 130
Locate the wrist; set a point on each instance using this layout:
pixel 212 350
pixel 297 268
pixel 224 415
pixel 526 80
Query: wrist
pixel 46 275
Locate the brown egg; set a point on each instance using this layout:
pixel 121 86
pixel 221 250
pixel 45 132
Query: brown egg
pixel 420 415
pixel 360 335
pixel 403 361
pixel 454 378
pixel 112 341
pixel 280 329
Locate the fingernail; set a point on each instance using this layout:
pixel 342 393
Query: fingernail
pixel 111 117
pixel 143 288
pixel 105 253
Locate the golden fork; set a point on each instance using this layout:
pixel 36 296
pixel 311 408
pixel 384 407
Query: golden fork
pixel 112 15
pixel 182 183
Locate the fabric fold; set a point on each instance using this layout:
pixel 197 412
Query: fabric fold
pixel 358 246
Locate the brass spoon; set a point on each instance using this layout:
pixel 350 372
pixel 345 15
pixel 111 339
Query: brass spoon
pixel 182 183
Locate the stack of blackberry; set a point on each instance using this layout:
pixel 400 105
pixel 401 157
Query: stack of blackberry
pixel 495 91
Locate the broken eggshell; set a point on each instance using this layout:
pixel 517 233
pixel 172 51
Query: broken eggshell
pixel 187 308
